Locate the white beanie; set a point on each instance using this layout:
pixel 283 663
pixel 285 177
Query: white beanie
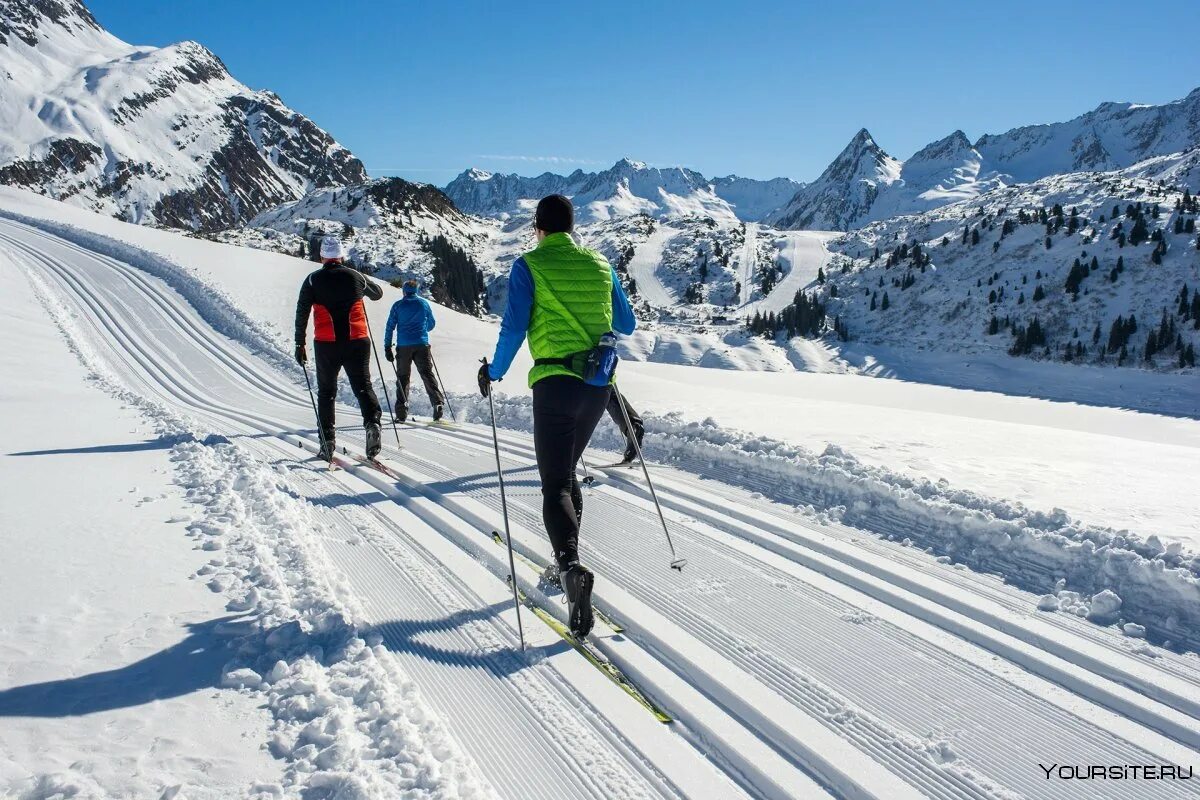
pixel 331 247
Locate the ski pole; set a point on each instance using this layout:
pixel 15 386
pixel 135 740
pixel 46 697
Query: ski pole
pixel 317 414
pixel 379 366
pixel 677 563
pixel 504 510
pixel 445 394
pixel 588 480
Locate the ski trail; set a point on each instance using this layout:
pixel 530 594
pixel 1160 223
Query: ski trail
pixel 804 253
pixel 975 694
pixel 878 694
pixel 748 264
pixel 643 267
pixel 457 645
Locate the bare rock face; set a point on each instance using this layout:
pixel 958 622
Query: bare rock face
pixel 156 135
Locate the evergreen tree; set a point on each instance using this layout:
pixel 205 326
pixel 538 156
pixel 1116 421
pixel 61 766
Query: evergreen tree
pixel 1048 243
pixel 873 300
pixel 975 236
pixel 1038 293
pixel 1139 233
pixel 457 281
pixel 883 306
pixel 820 275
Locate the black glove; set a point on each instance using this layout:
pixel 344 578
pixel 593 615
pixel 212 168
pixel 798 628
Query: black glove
pixel 301 354
pixel 388 354
pixel 485 380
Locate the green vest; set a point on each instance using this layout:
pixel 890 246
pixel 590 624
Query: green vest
pixel 572 301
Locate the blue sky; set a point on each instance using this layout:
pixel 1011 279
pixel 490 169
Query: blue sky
pixel 424 90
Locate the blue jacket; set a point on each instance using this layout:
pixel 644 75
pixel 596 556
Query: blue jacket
pixel 411 319
pixel 520 306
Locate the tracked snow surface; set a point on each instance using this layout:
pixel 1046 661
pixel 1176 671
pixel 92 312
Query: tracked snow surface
pixel 843 627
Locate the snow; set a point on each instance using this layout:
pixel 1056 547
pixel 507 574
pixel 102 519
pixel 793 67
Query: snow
pixel 111 655
pixel 891 680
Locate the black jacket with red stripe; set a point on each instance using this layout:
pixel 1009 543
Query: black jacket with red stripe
pixel 334 295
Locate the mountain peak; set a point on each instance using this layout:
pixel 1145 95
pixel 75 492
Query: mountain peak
pixel 628 164
pixel 956 144
pixel 24 19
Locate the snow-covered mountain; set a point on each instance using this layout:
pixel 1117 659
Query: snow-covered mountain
pixel 385 223
pixel 865 184
pixel 846 191
pixel 1064 250
pixel 625 189
pixel 1113 136
pixel 163 135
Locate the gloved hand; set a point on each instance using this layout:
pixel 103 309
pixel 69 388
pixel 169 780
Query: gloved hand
pixel 485 379
pixel 301 354
pixel 388 354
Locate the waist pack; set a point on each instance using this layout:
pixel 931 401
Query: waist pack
pixel 596 366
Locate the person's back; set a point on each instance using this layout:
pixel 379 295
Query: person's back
pixel 333 296
pixel 572 302
pixel 411 320
pixel 568 301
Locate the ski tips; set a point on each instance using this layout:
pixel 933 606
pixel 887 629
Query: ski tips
pixel 679 564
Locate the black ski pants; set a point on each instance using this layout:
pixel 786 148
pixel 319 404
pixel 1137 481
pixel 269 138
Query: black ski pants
pixel 615 401
pixel 422 356
pixel 565 412
pixel 353 356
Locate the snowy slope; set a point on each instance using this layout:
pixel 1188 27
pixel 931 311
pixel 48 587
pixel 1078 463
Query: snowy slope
pixel 896 676
pixel 628 187
pixel 162 135
pixel 947 303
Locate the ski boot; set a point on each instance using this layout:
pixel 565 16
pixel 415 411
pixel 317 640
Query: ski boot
pixel 328 448
pixel 437 412
pixel 577 581
pixel 631 450
pixel 374 439
pixel 549 581
pixel 401 412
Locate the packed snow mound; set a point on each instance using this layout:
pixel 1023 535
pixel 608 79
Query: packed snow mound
pixel 864 184
pixel 163 135
pixel 627 188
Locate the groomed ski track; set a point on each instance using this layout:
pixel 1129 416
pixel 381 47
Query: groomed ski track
pixel 799 660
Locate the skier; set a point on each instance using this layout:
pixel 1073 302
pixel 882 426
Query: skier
pixel 567 299
pixel 615 401
pixel 334 294
pixel 411 319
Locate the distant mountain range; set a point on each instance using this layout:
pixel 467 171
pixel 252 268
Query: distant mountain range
pixel 158 135
pixel 864 183
pixel 628 187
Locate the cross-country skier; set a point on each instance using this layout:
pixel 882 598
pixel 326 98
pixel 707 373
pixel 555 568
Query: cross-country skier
pixel 411 320
pixel 635 420
pixel 565 298
pixel 334 294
